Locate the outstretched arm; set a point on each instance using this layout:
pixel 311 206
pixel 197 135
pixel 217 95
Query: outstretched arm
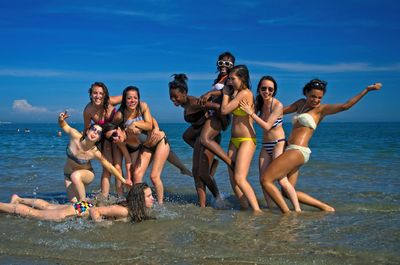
pixel 113 211
pixel 115 100
pixel 292 107
pixel 110 168
pixel 335 108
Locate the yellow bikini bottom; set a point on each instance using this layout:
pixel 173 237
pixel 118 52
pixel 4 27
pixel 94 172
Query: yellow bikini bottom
pixel 238 140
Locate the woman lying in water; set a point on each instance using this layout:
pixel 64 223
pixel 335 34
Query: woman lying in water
pixel 138 202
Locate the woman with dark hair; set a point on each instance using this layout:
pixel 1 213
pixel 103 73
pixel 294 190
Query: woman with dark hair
pixel 270 111
pixel 101 110
pixel 216 122
pixel 195 114
pixel 138 202
pixel 78 170
pixel 135 117
pixel 243 136
pixel 309 113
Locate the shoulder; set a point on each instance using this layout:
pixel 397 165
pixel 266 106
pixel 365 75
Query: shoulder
pixel 277 104
pixel 245 93
pixel 143 106
pixel 88 108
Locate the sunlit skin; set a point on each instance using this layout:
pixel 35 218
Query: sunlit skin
pixel 291 160
pixel 148 198
pixel 97 95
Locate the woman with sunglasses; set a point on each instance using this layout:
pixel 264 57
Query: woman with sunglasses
pixel 270 112
pixel 243 136
pixel 78 171
pixel 139 201
pixel 135 117
pixel 101 110
pixel 216 122
pixel 309 113
pixel 196 114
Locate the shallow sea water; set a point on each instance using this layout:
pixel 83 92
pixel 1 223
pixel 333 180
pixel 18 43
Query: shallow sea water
pixel 347 169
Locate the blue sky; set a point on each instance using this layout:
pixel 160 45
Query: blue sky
pixel 51 51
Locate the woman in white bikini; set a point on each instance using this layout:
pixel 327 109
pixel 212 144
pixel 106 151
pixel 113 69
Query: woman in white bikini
pixel 309 113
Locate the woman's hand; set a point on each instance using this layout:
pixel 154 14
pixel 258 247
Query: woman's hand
pixel 246 107
pixel 375 86
pixel 203 99
pixel 62 116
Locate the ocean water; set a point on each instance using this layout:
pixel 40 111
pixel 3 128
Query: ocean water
pixel 354 167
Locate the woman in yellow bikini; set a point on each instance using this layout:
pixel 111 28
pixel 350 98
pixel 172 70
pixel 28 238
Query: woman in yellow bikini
pixel 309 113
pixel 243 137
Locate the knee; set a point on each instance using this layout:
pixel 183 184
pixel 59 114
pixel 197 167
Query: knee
pixel 76 178
pixel 155 178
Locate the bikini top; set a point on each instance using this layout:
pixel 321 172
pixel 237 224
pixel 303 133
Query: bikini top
pixel 71 156
pixel 110 119
pixel 305 119
pixel 218 86
pixel 130 121
pixel 278 120
pixel 194 117
pixel 239 112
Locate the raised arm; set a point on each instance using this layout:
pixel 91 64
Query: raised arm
pixel 227 105
pixel 265 124
pixel 65 126
pixel 293 107
pixel 110 168
pixel 330 109
pixel 86 117
pixel 108 212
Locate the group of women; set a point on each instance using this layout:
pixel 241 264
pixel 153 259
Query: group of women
pixel 132 134
pixel 280 157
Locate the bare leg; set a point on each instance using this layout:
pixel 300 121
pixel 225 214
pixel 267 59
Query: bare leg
pixel 244 204
pixel 307 199
pixel 174 160
pixel 79 179
pixel 35 203
pixel 199 184
pixel 190 135
pixel 27 211
pixel 106 176
pixel 159 159
pixel 206 158
pixel 211 129
pixel 243 157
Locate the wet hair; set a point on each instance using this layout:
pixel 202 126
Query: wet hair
pixel 99 142
pixel 259 100
pixel 315 84
pixel 179 83
pixel 123 106
pixel 242 73
pixel 135 201
pixel 106 97
pixel 108 127
pixel 222 55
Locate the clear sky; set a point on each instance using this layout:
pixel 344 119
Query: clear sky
pixel 51 51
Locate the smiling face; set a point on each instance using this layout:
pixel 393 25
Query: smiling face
pixel 224 65
pixel 115 135
pixel 94 133
pixel 132 99
pixel 177 97
pixel 266 89
pixel 314 98
pixel 148 198
pixel 97 95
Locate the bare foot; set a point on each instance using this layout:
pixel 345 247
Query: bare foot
pixel 327 208
pixel 15 198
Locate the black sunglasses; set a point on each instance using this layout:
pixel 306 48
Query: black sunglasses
pixel 317 84
pixel 225 63
pixel 95 130
pixel 264 88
